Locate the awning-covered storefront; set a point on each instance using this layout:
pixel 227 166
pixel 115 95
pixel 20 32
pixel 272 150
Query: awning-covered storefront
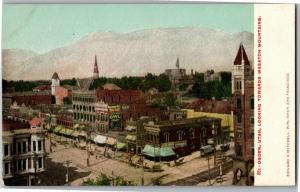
pixel 67 132
pixel 130 128
pixel 100 139
pixel 121 145
pixel 131 137
pixel 111 141
pixel 166 152
pixel 151 151
pixel 57 129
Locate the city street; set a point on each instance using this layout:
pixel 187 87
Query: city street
pixel 56 164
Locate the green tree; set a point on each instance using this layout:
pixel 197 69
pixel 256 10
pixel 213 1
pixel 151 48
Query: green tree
pixel 170 100
pixel 104 180
pixel 163 83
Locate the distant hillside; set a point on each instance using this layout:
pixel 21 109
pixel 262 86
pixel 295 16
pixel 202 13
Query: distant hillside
pixel 135 53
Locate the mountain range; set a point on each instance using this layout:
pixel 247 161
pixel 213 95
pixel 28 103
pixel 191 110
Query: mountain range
pixel 131 54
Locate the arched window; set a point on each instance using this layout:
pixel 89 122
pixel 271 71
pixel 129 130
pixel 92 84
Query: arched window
pixel 180 135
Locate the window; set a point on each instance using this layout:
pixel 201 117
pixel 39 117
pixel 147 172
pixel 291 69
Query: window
pixel 239 135
pixel 24 146
pixel 252 120
pixel 167 137
pixel 252 103
pixel 34 145
pixel 39 145
pixel 238 84
pixel 24 165
pixel 14 148
pixel 19 147
pixel 19 165
pixel 239 118
pixel 203 132
pixel 5 149
pixel 40 162
pixel 6 168
pixel 180 135
pixel 192 132
pixel 238 103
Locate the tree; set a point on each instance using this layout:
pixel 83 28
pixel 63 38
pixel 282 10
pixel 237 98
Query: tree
pixel 163 83
pixel 170 100
pixel 104 180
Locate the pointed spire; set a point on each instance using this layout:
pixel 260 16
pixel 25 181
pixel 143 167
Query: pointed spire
pixel 241 56
pixel 96 70
pixel 177 63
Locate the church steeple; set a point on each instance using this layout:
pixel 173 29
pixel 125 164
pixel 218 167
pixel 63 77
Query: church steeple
pixel 177 63
pixel 96 70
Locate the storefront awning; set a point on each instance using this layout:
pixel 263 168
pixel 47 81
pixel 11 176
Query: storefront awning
pixel 57 129
pixel 121 145
pixel 100 139
pixel 65 131
pixel 131 137
pixel 151 151
pixel 111 141
pixel 130 128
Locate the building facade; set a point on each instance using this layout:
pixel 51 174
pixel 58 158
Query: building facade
pixel 178 76
pixel 23 151
pixel 183 136
pixel 243 108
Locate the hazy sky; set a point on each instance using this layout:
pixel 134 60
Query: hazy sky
pixel 41 28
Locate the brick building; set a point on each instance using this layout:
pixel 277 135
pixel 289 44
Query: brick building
pixel 185 135
pixel 60 94
pixel 132 103
pixel 243 108
pixel 65 119
pixel 30 98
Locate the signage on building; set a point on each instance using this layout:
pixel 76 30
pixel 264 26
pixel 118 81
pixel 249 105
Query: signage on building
pixel 114 108
pixel 115 120
pixel 125 107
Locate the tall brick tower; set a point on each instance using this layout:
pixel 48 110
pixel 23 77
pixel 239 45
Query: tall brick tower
pixel 96 71
pixel 243 108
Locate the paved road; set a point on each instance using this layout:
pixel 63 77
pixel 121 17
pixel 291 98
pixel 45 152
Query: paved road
pixel 203 176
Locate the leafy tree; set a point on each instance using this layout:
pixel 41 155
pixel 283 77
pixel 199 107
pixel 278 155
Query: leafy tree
pixel 71 82
pixel 183 87
pixel 170 100
pixel 163 83
pixel 104 180
pixel 98 82
pixel 217 89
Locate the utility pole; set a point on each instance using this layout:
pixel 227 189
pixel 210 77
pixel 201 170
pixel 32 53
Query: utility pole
pixel 214 135
pixel 209 177
pixel 88 135
pixel 67 175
